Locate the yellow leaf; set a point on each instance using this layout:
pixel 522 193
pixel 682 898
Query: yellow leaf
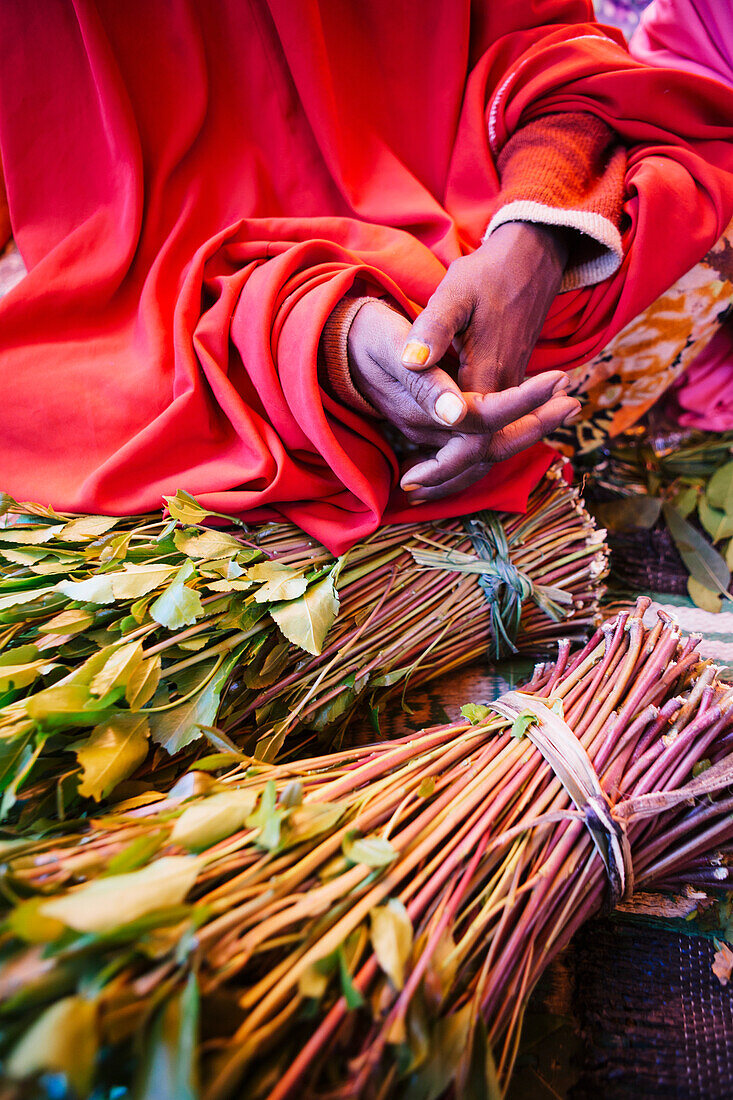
pixel 212 819
pixel 62 1040
pixel 112 752
pixel 142 685
pixel 279 582
pixel 391 936
pixel 87 527
pixel 117 669
pixel 704 597
pixel 306 621
pixel 137 580
pixel 108 903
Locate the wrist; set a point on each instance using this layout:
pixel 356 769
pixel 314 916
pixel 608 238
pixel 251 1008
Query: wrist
pixel 547 246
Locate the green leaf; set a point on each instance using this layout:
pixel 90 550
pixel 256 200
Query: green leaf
pixel 374 851
pixel 65 705
pixel 685 500
pixel 26 922
pixel 87 527
pixel 185 508
pixel 16 599
pixel 313 819
pixel 68 622
pixel 704 597
pixel 352 996
pixel 267 818
pixel 476 713
pixel 718 524
pixel 702 561
pixel 179 726
pixel 279 582
pixel 24 534
pixel 720 489
pixel 137 853
pixel 138 580
pixel 169 1067
pixel 143 682
pixel 97 589
pixel 522 722
pixel 178 606
pixel 391 936
pixel 111 753
pixel 118 669
pixel 20 667
pixel 62 1040
pixel 306 621
pixel 207 544
pixel 105 904
pixel 637 511
pixel 448 1042
pixel 212 819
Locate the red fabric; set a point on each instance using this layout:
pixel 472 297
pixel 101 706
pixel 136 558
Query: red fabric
pixel 194 185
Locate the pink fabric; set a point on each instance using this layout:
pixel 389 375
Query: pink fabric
pixel 697 36
pixel 694 35
pixel 703 397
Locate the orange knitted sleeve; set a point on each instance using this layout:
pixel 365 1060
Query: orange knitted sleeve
pixel 567 170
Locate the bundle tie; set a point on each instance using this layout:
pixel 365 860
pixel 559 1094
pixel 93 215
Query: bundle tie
pixel 504 586
pixel 567 757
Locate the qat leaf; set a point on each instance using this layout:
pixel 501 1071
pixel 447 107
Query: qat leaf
pixel 62 1040
pixel 24 535
pixel 476 713
pixel 212 819
pixel 118 669
pixel 522 722
pixel 685 500
pixel 179 726
pixel 15 599
pixel 447 1044
pixel 108 903
pixel 305 822
pixel 142 685
pixel 637 511
pixel 718 524
pixel 720 489
pixel 20 667
pixel 702 561
pixel 306 621
pixel 137 580
pixel 374 851
pixel 185 508
pixel 68 622
pixel 87 527
pixel 207 544
pixel 391 936
pixel 94 590
pixel 704 597
pixel 178 606
pixel 112 752
pixel 279 582
pixel 169 1066
pixel 267 818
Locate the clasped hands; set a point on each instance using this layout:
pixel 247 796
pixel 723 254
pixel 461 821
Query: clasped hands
pixel 490 307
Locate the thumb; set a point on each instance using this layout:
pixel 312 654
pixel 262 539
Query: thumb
pixel 432 333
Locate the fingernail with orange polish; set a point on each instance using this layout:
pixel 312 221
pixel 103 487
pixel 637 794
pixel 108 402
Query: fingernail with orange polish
pixel 410 488
pixel 415 353
pixel 449 408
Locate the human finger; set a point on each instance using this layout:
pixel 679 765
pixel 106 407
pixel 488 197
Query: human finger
pixel 492 411
pixel 446 314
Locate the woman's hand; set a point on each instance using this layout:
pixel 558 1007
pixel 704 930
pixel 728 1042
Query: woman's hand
pixel 466 431
pixel 491 306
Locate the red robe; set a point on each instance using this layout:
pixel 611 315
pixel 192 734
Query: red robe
pixel 193 185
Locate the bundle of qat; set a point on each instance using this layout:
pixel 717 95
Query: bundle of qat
pixel 368 923
pixel 121 634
